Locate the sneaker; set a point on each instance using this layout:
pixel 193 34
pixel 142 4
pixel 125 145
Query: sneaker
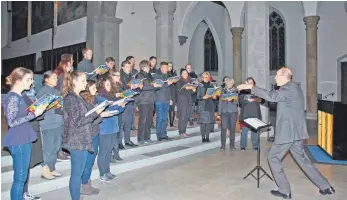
pixel 243 149
pixel 29 196
pixel 105 178
pixel 111 176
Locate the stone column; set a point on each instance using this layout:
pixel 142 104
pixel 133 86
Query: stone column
pixel 164 29
pixel 257 45
pixel 311 66
pixel 237 67
pixel 29 21
pixel 105 36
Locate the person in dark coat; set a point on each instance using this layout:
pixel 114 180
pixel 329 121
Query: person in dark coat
pixel 36 147
pixel 146 103
pixel 206 107
pixel 250 108
pixel 183 102
pixel 192 74
pixel 172 73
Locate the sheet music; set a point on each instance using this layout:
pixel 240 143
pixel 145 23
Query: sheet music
pixel 255 122
pixel 103 104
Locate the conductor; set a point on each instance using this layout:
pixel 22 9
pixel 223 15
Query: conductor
pixel 291 131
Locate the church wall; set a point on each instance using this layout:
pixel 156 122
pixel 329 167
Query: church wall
pixel 137 31
pixel 212 13
pixel 332 45
pixel 196 48
pixel 295 34
pixel 67 34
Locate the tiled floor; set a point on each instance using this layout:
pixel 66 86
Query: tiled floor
pixel 213 174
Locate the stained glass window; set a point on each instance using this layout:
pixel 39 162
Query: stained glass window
pixel 277 41
pixel 210 52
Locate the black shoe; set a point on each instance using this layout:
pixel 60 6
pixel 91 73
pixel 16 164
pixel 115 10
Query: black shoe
pixel 133 128
pixel 121 146
pixel 160 139
pixel 130 144
pixel 279 194
pixel 166 138
pixel 207 140
pixel 255 149
pixel 243 149
pixel 203 140
pixel 222 147
pixel 119 159
pixel 327 191
pixel 171 125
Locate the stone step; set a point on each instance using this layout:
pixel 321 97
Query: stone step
pixel 6 161
pixel 133 162
pixel 7 172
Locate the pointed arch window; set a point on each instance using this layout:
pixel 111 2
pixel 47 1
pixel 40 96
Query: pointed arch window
pixel 277 41
pixel 210 52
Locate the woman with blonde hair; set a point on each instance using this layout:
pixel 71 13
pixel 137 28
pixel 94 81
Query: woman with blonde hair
pixel 206 107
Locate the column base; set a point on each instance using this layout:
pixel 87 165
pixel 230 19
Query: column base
pixel 312 115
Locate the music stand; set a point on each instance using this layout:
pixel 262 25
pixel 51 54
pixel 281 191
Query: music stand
pixel 256 125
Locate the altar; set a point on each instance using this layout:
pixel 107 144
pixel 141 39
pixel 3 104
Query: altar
pixel 332 129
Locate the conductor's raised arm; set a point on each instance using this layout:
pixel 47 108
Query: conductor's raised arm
pixel 273 95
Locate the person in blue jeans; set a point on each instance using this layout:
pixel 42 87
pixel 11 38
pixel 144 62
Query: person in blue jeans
pixel 77 135
pixel 20 135
pixel 109 128
pixel 163 101
pixel 250 108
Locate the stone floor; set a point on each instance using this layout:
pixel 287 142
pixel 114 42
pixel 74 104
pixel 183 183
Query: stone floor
pixel 212 174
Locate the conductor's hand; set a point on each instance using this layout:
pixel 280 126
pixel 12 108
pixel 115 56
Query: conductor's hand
pixel 244 87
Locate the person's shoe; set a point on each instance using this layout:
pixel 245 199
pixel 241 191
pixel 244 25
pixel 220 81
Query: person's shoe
pixel 133 128
pixel 105 178
pixel 119 159
pixel 255 149
pixel 166 138
pixel 111 176
pixel 279 194
pixel 222 147
pixel 87 189
pixel 121 146
pixel 56 174
pixel 232 147
pixel 327 191
pixel 191 123
pixel 160 139
pixel 29 196
pixel 243 149
pixel 207 140
pixel 130 144
pixel 203 140
pixel 46 173
pixel 62 157
pixel 148 141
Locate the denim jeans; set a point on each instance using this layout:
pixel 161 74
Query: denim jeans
pixel 51 145
pixel 106 144
pixel 78 164
pixel 162 115
pixel 90 161
pixel 21 159
pixel 244 138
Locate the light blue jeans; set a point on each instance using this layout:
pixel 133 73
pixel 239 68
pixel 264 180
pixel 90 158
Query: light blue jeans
pixel 21 159
pixel 244 138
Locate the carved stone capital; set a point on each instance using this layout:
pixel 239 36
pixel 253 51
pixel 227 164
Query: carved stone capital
pixel 164 7
pixel 311 21
pixel 182 39
pixel 237 31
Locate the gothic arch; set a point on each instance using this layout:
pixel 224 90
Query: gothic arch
pixel 277 39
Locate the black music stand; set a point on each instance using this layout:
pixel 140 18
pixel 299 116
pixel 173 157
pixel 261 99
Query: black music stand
pixel 257 125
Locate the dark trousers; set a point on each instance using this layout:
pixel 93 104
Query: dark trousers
pixel 145 121
pixel 183 112
pixel 106 144
pixel 172 114
pixel 126 123
pixel 205 130
pixel 228 122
